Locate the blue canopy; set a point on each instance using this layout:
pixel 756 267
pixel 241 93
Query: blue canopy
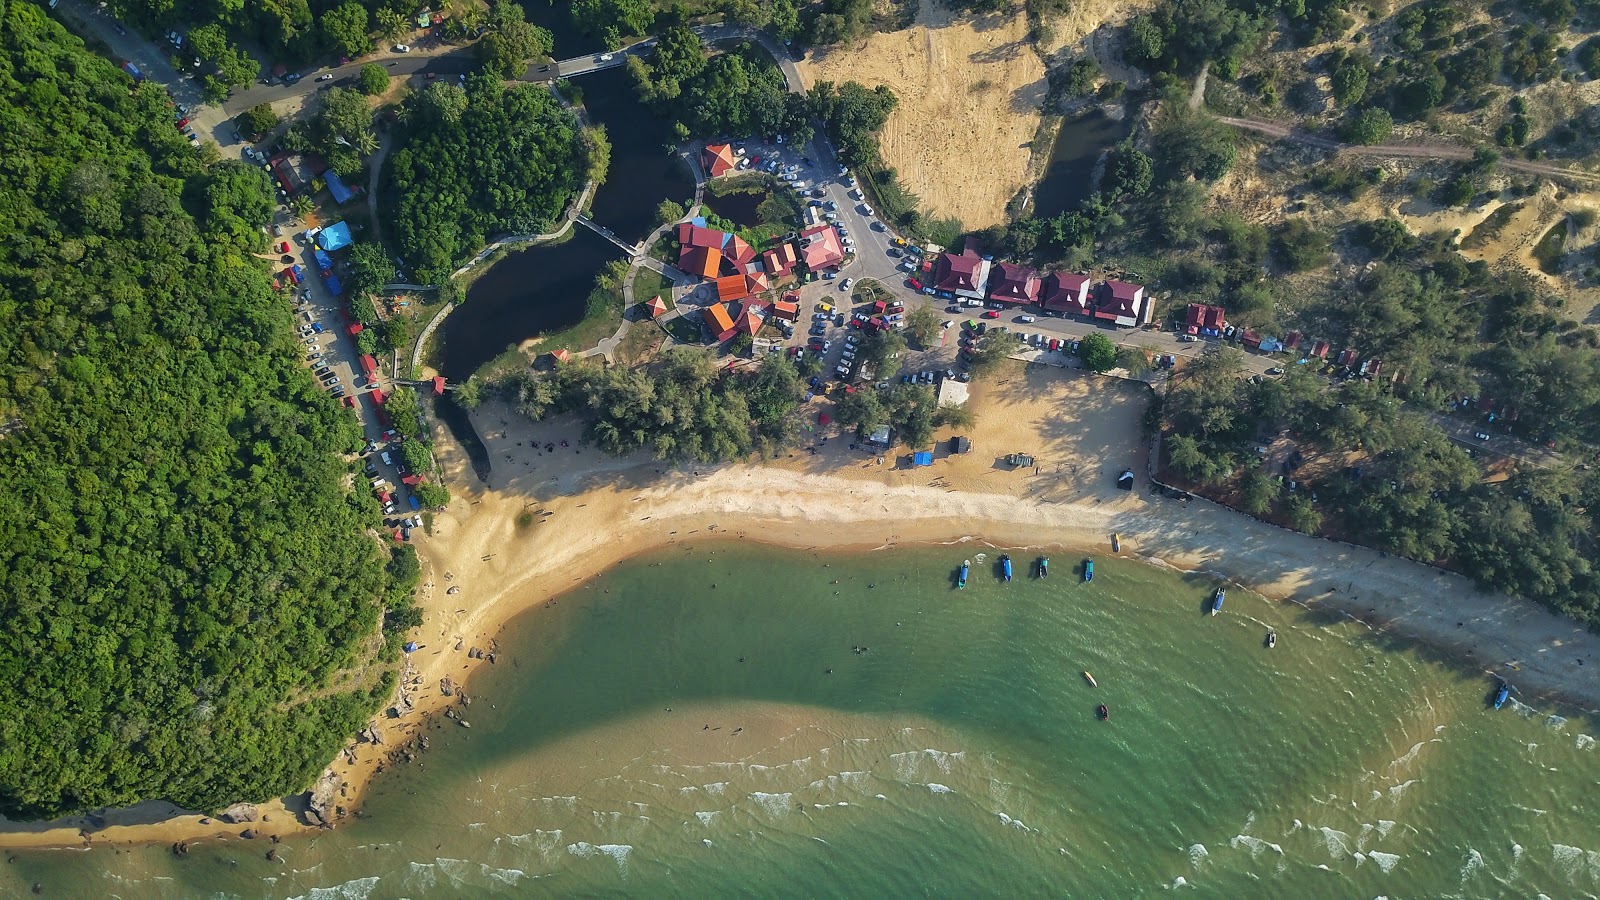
pixel 334 236
pixel 336 186
pixel 324 261
pixel 331 282
pixel 923 458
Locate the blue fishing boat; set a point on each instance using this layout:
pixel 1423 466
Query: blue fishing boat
pixel 1501 695
pixel 1044 567
pixel 1216 602
pixel 1005 567
pixel 966 566
pixel 1088 570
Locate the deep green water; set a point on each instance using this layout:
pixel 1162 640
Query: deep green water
pixel 959 756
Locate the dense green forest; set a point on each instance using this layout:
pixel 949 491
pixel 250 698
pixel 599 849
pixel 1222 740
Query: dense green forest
pixel 740 92
pixel 481 161
pixel 182 568
pixel 684 408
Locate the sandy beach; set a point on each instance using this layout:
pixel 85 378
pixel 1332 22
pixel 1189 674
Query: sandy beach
pixel 547 521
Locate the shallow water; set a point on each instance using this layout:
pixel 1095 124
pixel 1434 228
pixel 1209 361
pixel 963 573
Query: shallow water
pixel 958 755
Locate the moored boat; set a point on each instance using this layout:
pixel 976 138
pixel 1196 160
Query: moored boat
pixel 1116 542
pixel 1044 567
pixel 1216 602
pixel 1088 570
pixel 966 566
pixel 1502 694
pixel 1272 639
pixel 1005 567
pixel 1090 678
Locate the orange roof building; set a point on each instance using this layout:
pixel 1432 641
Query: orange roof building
pixel 704 262
pixel 656 306
pixel 755 281
pixel 732 287
pixel 783 309
pixel 750 321
pixel 718 159
pixel 739 250
pixel 720 321
pixel 780 260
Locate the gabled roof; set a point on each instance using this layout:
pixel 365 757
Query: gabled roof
pixel 656 306
pixel 719 319
pixel 731 287
pixel 702 261
pixel 780 260
pixel 692 235
pixel 785 310
pixel 1292 341
pixel 750 320
pixel 1122 291
pixel 718 159
pixel 438 385
pixel 1014 282
pixel 1320 349
pixel 966 274
pixel 1065 291
pixel 1120 300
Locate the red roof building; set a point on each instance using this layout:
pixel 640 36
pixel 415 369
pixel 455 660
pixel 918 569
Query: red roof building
pixel 780 260
pixel 1014 283
pixel 369 366
pixel 1066 292
pixel 438 385
pixel 739 251
pixel 1292 342
pixel 1347 358
pixel 820 247
pixel 561 355
pixel 1199 317
pixel 731 287
pixel 783 309
pixel 1320 349
pixel 718 159
pixel 965 275
pixel 692 235
pixel 1122 303
pixel 656 306
pixel 750 320
pixel 354 328
pixel 410 480
pixel 704 262
pixel 1250 338
pixel 719 319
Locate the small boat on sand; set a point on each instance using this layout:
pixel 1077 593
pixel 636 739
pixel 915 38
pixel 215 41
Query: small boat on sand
pixel 1088 570
pixel 1216 602
pixel 1116 542
pixel 1044 567
pixel 1502 694
pixel 1090 678
pixel 1272 639
pixel 1005 567
pixel 966 566
pixel 1104 712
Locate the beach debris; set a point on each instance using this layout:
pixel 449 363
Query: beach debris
pixel 272 855
pixel 447 687
pixel 463 723
pixel 240 813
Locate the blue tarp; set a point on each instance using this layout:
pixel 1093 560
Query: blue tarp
pixel 331 282
pixel 414 503
pixel 299 273
pixel 334 236
pixel 324 261
pixel 698 220
pixel 922 459
pixel 336 186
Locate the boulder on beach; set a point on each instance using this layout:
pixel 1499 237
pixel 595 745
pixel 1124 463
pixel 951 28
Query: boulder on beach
pixel 313 817
pixel 240 813
pixel 371 735
pixel 248 834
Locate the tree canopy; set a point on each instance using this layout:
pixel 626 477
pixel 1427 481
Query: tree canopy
pixel 182 567
pixel 477 163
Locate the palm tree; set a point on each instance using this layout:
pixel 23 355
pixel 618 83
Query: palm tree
pixel 366 143
pixel 390 23
pixel 302 207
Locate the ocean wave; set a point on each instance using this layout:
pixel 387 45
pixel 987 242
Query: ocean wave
pixel 939 789
pixel 1585 742
pixel 1384 827
pixel 1555 722
pixel 1385 861
pixel 618 852
pixel 1472 865
pixel 1574 861
pixel 354 889
pixel 504 876
pixel 774 804
pixel 1014 823
pixel 1254 844
pixel 1197 854
pixel 1398 790
pixel 1337 842
pixel 706 818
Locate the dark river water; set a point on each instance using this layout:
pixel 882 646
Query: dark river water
pixel 1078 146
pixel 739 208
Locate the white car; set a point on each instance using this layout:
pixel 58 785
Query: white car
pixel 606 57
pixel 1027 319
pixel 326 77
pixel 402 48
pixel 845 284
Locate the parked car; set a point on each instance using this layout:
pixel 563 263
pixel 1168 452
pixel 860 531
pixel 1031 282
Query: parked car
pixel 991 314
pixel 914 284
pixel 1481 435
pixel 402 48
pixel 1054 344
pixel 845 284
pixel 325 77
pixel 1187 338
pixel 1275 370
pixel 1026 319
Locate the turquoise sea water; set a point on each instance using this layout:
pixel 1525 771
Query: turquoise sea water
pixel 959 755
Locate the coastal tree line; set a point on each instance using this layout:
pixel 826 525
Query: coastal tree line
pixel 182 568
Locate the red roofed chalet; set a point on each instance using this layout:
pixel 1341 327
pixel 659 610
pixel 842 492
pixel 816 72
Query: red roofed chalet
pixel 966 275
pixel 739 251
pixel 750 321
pixel 783 309
pixel 369 366
pixel 780 260
pixel 1066 292
pixel 1122 303
pixel 720 321
pixel 656 306
pixel 718 159
pixel 704 262
pixel 1014 283
pixel 821 248
pixel 731 287
pixel 1320 349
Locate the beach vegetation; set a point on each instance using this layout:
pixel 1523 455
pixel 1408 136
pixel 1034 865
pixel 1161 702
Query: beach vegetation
pixel 192 595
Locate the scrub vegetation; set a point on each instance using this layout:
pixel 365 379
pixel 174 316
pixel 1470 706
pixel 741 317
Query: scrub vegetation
pixel 183 567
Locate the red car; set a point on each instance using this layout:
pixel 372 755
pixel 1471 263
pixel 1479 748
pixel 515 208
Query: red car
pixel 992 314
pixel 1054 344
pixel 283 246
pixel 915 284
pixel 182 123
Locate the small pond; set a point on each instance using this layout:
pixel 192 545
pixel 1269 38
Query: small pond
pixel 1078 146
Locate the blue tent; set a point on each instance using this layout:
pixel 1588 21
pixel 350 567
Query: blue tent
pixel 923 458
pixel 299 273
pixel 334 236
pixel 324 261
pixel 336 186
pixel 333 285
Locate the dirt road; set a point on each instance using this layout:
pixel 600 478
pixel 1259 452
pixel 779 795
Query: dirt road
pixel 1411 151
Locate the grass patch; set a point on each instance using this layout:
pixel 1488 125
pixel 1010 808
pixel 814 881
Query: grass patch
pixel 602 314
pixel 650 283
pixel 683 330
pixel 640 343
pixel 1490 228
pixel 524 519
pixel 1551 248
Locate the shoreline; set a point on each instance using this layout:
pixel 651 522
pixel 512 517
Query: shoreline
pixel 496 544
